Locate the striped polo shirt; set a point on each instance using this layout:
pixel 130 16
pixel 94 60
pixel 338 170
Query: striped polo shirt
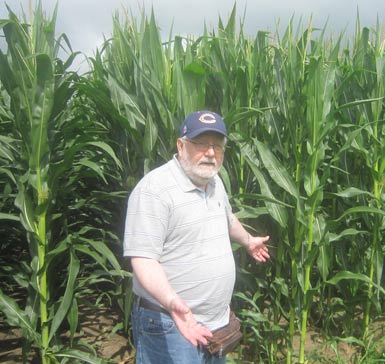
pixel 187 230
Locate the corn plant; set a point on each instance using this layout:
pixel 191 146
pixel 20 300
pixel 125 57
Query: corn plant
pixel 364 80
pixel 286 101
pixel 49 152
pixel 304 164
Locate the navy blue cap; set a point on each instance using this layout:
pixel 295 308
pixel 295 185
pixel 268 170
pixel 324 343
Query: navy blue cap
pixel 200 122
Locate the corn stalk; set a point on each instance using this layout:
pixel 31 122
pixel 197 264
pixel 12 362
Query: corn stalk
pixel 365 82
pixel 305 164
pixel 53 150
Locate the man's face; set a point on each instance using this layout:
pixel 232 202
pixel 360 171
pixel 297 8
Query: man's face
pixel 201 157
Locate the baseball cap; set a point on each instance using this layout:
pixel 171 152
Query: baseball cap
pixel 200 122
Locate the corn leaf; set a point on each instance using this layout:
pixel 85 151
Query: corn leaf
pixel 16 317
pixel 65 304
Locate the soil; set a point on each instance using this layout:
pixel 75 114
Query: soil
pixel 98 330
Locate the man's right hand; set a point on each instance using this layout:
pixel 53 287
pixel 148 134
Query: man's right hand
pixel 186 323
pixel 153 278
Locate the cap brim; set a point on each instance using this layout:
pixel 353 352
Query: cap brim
pixel 195 133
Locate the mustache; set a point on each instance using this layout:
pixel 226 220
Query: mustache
pixel 208 160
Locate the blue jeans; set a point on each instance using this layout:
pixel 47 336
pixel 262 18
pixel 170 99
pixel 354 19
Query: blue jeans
pixel 158 341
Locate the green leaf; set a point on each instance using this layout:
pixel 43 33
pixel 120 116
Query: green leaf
pixel 24 203
pixel 105 252
pixel 196 68
pixel 150 137
pixel 354 277
pixel 276 211
pixel 73 317
pixel 362 210
pixel 94 166
pixel 276 170
pixel 16 317
pixel 65 304
pixel 347 232
pixel 5 216
pixel 106 148
pixel 41 107
pixel 226 180
pixel 352 192
pixel 358 103
pixel 83 356
pixel 260 197
pixel 246 212
pixel 9 173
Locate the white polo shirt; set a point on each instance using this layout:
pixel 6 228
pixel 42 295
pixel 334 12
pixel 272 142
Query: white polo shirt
pixel 169 219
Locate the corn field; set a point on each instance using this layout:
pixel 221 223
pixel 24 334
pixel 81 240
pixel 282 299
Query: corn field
pixel 305 164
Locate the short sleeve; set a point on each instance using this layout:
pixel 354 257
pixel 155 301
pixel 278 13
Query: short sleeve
pixel 146 224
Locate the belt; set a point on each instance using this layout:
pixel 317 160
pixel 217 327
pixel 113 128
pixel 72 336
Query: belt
pixel 148 305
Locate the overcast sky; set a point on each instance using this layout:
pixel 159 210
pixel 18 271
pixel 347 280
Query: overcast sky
pixel 87 22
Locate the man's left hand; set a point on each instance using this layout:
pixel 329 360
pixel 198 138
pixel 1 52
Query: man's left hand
pixel 257 248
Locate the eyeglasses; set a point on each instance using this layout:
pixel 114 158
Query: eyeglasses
pixel 204 147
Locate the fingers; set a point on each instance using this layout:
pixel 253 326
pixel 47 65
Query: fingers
pixel 200 335
pixel 261 255
pixel 194 332
pixel 258 250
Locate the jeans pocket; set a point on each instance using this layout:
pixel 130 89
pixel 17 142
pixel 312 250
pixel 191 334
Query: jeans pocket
pixel 158 324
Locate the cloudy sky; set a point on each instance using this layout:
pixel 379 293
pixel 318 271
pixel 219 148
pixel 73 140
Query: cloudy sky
pixel 88 22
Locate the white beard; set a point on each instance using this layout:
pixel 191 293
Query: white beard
pixel 200 173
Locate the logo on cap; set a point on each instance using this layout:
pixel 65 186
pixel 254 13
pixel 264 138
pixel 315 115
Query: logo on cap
pixel 207 119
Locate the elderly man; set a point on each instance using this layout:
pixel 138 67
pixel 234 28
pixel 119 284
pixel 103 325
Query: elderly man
pixel 178 230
